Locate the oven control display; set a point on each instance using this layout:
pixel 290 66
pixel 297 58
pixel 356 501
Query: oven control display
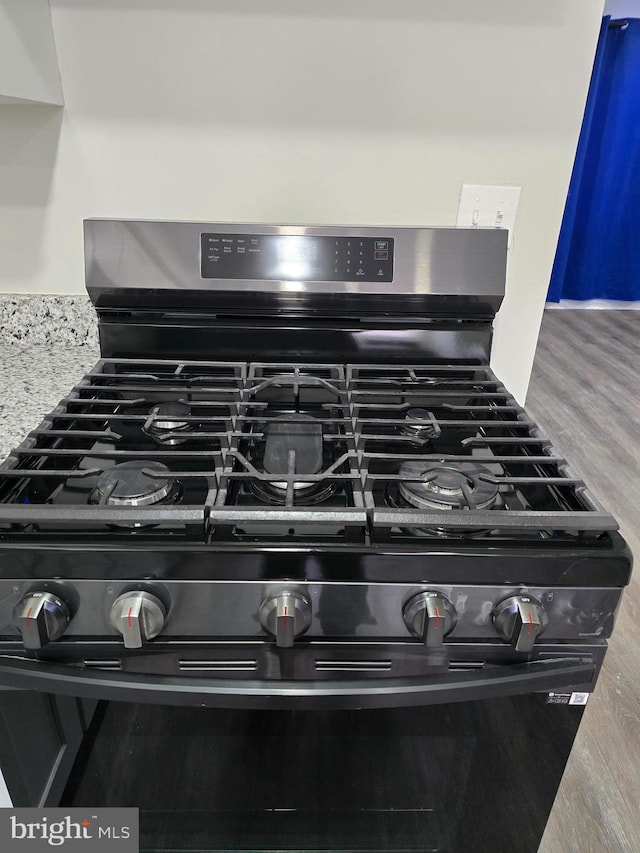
pixel 284 257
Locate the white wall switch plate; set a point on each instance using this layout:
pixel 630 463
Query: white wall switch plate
pixel 488 207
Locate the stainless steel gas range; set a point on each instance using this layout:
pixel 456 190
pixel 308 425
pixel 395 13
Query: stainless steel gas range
pixel 290 569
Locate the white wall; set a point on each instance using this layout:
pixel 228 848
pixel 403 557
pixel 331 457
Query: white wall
pixel 28 65
pixel 331 111
pixel 622 8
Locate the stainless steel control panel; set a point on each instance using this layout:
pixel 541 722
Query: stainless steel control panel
pixel 451 263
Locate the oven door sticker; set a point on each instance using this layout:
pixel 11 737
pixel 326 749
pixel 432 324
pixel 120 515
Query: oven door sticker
pixel 567 698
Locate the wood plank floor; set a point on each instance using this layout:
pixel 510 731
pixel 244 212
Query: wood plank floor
pixel 585 393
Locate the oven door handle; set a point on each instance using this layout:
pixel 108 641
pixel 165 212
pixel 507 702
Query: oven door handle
pixel 503 680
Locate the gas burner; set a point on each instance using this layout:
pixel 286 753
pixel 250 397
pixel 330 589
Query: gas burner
pixel 130 484
pixel 308 494
pixel 421 425
pixel 444 486
pixel 165 419
pixel 293 444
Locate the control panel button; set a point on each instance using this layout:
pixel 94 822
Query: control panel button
pixel 520 619
pixel 138 616
pixel 285 616
pixel 381 256
pixel 430 616
pixel 41 617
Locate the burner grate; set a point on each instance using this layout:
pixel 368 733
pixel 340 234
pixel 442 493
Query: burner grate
pixel 210 424
pixel 483 424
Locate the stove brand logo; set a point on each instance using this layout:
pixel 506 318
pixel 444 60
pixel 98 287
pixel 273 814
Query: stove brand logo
pixel 69 829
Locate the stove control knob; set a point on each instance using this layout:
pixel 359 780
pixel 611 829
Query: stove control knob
pixel 285 616
pixel 430 616
pixel 41 617
pixel 138 616
pixel 519 620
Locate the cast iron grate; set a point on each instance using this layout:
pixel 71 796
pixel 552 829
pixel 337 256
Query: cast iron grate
pixel 212 424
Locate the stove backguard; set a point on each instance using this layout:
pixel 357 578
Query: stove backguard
pixel 194 289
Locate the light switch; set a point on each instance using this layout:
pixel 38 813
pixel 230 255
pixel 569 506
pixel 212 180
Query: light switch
pixel 484 206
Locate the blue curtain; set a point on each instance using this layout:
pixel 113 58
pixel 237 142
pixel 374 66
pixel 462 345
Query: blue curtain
pixel 598 254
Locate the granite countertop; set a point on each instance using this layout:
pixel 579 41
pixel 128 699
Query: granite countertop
pixel 47 343
pixel 33 379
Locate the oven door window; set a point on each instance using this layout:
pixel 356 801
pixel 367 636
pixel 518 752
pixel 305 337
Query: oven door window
pixel 465 776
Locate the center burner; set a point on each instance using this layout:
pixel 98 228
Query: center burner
pixel 130 484
pixel 293 445
pixel 445 486
pixel 165 420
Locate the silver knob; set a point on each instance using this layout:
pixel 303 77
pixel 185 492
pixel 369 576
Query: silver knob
pixel 285 615
pixel 138 616
pixel 520 619
pixel 41 617
pixel 430 616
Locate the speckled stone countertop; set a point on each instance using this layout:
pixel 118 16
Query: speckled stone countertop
pixel 44 319
pixel 46 344
pixel 33 379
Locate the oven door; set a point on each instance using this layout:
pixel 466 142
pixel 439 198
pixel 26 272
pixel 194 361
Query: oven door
pixel 467 761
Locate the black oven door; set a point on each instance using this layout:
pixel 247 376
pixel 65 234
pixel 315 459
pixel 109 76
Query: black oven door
pixel 468 762
pixel 479 775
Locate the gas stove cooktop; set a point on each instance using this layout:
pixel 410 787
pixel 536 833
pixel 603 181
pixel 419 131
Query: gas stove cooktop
pixel 209 451
pixel 293 439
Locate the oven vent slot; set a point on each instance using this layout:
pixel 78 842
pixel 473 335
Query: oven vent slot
pixel 353 665
pixel 249 665
pixel 457 665
pixel 106 663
